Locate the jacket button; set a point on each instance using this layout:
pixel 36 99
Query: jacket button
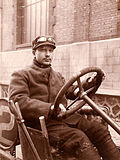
pixel 44 75
pixel 53 82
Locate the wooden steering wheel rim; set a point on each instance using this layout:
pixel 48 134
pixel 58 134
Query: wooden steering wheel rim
pixel 72 80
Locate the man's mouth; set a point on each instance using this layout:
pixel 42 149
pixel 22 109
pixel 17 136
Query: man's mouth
pixel 47 60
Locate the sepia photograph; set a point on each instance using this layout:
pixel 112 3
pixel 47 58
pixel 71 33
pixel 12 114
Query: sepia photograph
pixel 59 79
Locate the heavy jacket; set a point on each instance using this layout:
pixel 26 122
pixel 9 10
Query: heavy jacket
pixel 35 89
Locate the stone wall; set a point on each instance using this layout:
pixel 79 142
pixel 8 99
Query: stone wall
pixel 69 59
pixel 106 54
pixel 111 102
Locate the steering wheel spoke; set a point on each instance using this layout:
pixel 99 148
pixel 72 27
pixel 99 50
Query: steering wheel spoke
pixel 81 90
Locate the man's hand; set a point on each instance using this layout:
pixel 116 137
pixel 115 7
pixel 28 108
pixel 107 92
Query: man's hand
pixel 61 109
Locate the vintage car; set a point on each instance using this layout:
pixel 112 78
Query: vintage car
pixel 35 143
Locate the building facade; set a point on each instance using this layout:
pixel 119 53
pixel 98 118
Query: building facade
pixel 87 33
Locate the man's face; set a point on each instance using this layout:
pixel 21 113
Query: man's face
pixel 44 55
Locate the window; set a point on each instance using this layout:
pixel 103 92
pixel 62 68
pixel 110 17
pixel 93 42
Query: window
pixel 32 20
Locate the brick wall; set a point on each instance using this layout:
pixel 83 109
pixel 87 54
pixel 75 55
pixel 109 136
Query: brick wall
pixel 80 20
pixel 70 21
pixel 64 26
pixel 103 19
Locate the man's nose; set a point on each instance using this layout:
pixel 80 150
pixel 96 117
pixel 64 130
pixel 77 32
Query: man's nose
pixel 47 53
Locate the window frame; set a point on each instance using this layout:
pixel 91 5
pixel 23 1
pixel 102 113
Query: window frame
pixel 20 29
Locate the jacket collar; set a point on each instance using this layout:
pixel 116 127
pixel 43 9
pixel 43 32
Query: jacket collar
pixel 40 65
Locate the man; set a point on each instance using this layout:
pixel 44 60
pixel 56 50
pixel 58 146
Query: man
pixel 35 89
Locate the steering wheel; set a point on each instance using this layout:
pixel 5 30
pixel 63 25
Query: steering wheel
pixel 83 95
pixel 99 77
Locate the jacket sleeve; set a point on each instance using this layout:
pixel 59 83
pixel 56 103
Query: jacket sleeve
pixel 19 92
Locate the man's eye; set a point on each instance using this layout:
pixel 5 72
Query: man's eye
pixel 51 50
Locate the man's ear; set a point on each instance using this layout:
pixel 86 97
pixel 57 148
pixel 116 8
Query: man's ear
pixel 33 51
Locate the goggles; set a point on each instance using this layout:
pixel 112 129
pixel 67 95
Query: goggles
pixel 46 39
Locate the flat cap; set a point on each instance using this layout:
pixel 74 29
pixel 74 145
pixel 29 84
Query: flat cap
pixel 42 41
